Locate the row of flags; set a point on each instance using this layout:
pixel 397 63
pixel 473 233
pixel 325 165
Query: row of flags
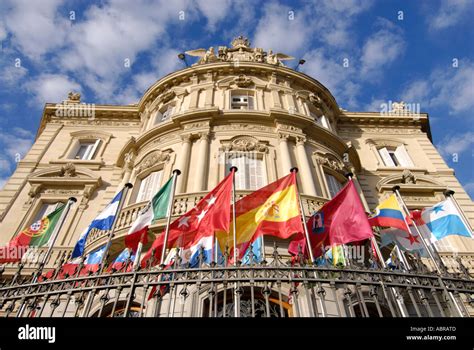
pixel 207 230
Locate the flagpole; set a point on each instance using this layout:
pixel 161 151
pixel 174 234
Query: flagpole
pixel 449 194
pixel 303 218
pixel 111 232
pixel 234 169
pixel 176 173
pixel 396 294
pixel 396 190
pixel 56 231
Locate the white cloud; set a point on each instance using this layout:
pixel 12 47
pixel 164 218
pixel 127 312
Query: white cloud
pixel 214 10
pixel 450 87
pixel 456 144
pixel 15 143
pixel 4 165
pixel 381 48
pixel 37 27
pixel 11 75
pixel 332 74
pixel 450 13
pixel 51 88
pixel 276 31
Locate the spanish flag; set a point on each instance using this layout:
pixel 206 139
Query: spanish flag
pixel 389 214
pixel 272 210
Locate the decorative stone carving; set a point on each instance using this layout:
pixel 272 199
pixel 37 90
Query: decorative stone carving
pixel 330 163
pixel 239 52
pixel 129 160
pixel 246 144
pixel 398 107
pixel 152 159
pixel 315 100
pixel 32 193
pixel 197 125
pixel 408 177
pixel 242 81
pixel 68 170
pixel 166 96
pixel 74 97
pixel 239 126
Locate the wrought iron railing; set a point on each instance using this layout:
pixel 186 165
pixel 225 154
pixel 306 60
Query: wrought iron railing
pixel 276 288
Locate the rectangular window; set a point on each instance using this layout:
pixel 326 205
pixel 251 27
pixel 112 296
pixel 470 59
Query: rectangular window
pixel 321 120
pixel 149 186
pixel 334 185
pixel 251 170
pixel 242 102
pixel 86 150
pixel 397 157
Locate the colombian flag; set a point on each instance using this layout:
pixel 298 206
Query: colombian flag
pixel 272 210
pixel 389 214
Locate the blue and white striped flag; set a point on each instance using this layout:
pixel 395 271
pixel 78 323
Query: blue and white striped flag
pixel 104 221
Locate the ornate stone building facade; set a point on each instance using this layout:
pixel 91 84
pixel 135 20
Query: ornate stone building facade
pixel 238 106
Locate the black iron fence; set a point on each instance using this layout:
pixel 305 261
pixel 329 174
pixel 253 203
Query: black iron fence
pixel 274 288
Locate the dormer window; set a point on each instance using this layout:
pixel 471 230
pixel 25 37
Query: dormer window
pixel 242 100
pixel 85 150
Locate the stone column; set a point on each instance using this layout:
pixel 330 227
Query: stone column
pixel 183 163
pixel 202 163
pixel 285 159
pixel 306 174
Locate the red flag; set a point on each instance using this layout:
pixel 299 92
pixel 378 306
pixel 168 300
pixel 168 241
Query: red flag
pixel 340 221
pixel 210 214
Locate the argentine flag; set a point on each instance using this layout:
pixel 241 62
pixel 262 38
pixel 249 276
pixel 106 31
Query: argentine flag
pixel 442 220
pixel 104 221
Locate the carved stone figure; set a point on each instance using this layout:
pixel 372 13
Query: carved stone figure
pixel 68 170
pixel 242 81
pixel 408 177
pixel 206 56
pixel 398 107
pixel 74 96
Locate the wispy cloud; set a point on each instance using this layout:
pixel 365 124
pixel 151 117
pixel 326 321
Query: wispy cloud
pixel 449 13
pixel 451 87
pixel 456 144
pixel 382 48
pixel 51 87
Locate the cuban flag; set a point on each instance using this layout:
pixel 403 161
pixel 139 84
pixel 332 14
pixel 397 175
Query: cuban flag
pixel 104 221
pixel 440 221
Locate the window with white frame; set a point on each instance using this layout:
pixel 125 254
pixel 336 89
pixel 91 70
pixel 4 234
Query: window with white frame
pixel 241 100
pixel 44 210
pixel 149 185
pixel 395 156
pixel 164 113
pixel 334 185
pixel 85 149
pixel 251 174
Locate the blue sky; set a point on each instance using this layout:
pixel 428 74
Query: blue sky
pixel 416 51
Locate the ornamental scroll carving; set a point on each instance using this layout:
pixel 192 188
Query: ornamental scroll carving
pixel 242 81
pixel 246 144
pixel 68 170
pixel 408 177
pixel 331 163
pixel 153 158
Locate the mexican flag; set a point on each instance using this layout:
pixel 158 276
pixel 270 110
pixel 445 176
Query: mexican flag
pixel 156 209
pixel 37 235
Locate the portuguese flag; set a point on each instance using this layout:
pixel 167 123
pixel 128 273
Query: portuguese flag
pixel 38 235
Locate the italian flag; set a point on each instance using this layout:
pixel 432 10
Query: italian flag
pixel 156 209
pixel 37 235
